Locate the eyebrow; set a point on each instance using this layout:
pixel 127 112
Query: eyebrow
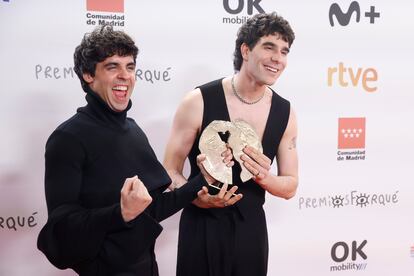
pixel 111 64
pixel 117 63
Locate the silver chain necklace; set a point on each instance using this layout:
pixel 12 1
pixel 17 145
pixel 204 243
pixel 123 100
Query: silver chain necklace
pixel 240 98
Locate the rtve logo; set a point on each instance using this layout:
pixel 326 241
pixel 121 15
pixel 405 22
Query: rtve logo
pixel 346 76
pixel 105 5
pixel 344 18
pixel 235 9
pixel 340 251
pixel 351 133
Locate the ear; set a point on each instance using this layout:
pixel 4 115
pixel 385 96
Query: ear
pixel 87 77
pixel 244 49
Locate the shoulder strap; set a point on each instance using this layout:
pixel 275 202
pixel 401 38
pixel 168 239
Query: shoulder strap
pixel 276 125
pixel 215 107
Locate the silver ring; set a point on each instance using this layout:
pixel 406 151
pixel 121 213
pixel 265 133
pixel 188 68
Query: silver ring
pixel 226 204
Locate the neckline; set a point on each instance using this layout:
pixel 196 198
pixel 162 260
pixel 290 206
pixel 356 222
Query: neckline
pixel 100 111
pixel 240 98
pixel 267 126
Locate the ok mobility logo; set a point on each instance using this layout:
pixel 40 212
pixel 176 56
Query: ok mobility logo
pixel 345 17
pixel 105 12
pixel 236 7
pixel 346 256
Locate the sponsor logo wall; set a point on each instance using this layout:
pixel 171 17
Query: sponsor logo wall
pixel 348 78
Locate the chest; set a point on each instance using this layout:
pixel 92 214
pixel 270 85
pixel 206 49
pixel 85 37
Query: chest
pixel 113 156
pixel 255 115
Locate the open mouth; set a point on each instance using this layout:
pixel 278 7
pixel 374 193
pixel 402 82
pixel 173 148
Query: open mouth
pixel 272 69
pixel 120 92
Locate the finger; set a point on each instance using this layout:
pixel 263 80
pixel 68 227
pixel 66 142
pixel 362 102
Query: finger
pixel 230 193
pixel 259 157
pixel 140 189
pixel 234 199
pixel 203 191
pixel 227 153
pixel 227 159
pixel 201 157
pixel 230 164
pixel 141 193
pixel 128 183
pixel 227 156
pixel 223 190
pixel 252 166
pixel 141 186
pixel 127 186
pixel 246 157
pixel 135 184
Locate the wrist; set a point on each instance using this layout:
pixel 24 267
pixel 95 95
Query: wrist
pixel 126 216
pixel 264 182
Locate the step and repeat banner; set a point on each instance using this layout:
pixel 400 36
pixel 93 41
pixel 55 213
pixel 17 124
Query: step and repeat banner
pixel 349 79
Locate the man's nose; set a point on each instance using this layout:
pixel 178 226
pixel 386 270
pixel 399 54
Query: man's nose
pixel 276 56
pixel 123 73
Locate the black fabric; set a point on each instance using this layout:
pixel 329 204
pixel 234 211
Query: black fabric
pixel 87 160
pixel 230 241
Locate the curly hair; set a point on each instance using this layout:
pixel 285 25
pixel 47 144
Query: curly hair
pixel 260 25
pixel 95 47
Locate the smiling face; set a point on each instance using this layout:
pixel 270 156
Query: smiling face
pixel 114 81
pixel 266 61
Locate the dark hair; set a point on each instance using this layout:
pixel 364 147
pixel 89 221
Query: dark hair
pixel 260 25
pixel 95 47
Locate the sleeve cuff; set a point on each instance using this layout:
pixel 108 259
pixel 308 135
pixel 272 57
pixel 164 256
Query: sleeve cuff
pixel 194 185
pixel 117 221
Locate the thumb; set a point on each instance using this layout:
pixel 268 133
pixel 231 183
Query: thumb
pixel 201 157
pixel 135 184
pixel 129 184
pixel 203 191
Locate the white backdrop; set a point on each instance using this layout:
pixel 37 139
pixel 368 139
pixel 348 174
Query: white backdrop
pixel 349 216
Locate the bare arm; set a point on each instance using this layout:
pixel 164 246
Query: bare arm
pixel 285 183
pixel 186 125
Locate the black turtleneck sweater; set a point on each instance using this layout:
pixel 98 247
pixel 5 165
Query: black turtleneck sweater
pixel 88 158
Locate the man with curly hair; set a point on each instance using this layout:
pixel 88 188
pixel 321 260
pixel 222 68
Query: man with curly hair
pixel 104 185
pixel 230 238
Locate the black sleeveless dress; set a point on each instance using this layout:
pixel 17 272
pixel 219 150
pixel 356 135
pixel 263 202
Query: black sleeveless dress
pixel 229 241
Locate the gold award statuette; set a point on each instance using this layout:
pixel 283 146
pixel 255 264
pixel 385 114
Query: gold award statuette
pixel 241 134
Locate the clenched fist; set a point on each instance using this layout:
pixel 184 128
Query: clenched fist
pixel 134 198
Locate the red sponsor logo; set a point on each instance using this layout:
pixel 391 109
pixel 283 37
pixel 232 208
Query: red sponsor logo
pixel 351 133
pixel 105 5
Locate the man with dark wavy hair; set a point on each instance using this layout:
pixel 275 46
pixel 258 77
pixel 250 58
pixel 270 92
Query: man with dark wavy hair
pixel 104 185
pixel 230 238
